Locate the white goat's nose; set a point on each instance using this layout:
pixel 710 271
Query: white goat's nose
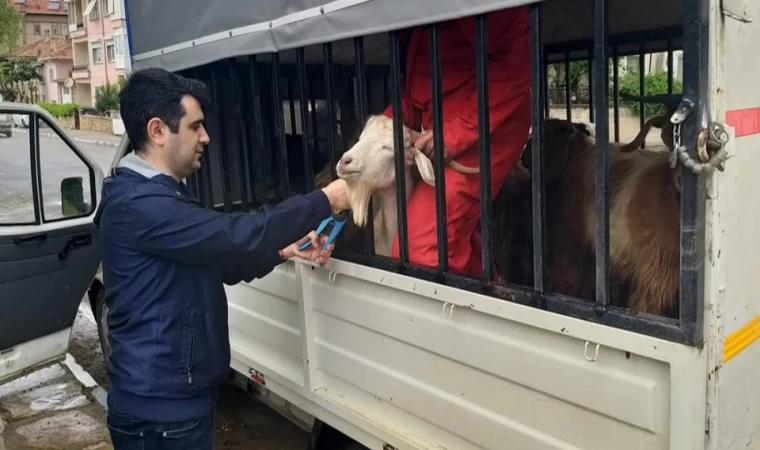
pixel 346 160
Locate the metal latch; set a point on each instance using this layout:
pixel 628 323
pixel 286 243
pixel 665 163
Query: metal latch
pixel 711 143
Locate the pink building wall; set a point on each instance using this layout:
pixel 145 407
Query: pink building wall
pixel 60 70
pixel 100 35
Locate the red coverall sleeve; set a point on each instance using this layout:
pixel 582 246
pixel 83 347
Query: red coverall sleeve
pixel 503 28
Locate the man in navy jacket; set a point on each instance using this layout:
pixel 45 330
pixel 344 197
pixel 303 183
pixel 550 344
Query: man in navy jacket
pixel 166 259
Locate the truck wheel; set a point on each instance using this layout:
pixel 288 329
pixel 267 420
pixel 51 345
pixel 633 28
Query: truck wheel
pixel 325 437
pixel 101 315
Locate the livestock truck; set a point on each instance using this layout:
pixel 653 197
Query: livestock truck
pixel 393 356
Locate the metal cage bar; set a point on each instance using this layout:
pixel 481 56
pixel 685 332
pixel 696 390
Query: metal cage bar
pixel 590 72
pixel 695 64
pixel 255 128
pixel 484 141
pixel 308 165
pixel 222 145
pixel 440 181
pixel 602 194
pixel 642 90
pixel 616 91
pixel 398 138
pixel 243 147
pixel 568 100
pixel 670 66
pixel 362 106
pixel 329 74
pixel 279 127
pixel 537 134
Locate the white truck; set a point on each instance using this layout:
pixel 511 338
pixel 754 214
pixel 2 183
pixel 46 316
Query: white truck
pixel 396 357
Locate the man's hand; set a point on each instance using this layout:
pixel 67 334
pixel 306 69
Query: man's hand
pixel 313 253
pixel 337 194
pixel 425 144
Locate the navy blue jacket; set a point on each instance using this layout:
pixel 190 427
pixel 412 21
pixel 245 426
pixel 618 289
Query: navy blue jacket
pixel 165 262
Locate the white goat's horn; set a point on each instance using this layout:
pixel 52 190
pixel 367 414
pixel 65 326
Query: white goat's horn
pixel 455 165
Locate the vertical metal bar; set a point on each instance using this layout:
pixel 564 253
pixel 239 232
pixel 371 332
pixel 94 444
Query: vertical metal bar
pixel 242 145
pixel 329 95
pixel 221 139
pixel 398 134
pixel 484 140
pixel 34 160
pixel 363 108
pixel 205 172
pixel 616 91
pixel 279 127
pixel 591 86
pixel 545 86
pixel 292 107
pixel 255 126
pixel 537 134
pixel 695 66
pixel 642 90
pixel 670 66
pixel 601 201
pixel 568 102
pixel 314 122
pixel 437 125
pixel 308 165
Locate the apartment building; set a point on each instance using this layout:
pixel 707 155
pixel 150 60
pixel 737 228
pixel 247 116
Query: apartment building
pixel 98 34
pixel 40 19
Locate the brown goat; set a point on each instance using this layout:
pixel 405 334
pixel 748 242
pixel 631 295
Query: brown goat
pixel 644 219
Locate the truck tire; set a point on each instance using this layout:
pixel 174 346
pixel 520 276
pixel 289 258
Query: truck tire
pixel 100 311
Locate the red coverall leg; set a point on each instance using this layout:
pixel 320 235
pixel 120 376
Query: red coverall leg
pixel 509 109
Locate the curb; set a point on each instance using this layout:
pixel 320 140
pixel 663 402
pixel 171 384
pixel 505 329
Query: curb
pixel 84 141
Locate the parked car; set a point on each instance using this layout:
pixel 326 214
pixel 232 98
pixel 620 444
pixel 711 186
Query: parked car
pixel 6 124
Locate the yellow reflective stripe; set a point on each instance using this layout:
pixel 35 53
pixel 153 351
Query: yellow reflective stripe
pixel 740 339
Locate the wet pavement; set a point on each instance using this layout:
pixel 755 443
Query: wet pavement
pixel 52 409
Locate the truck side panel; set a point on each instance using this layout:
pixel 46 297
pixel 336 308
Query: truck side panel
pixel 733 212
pixel 426 366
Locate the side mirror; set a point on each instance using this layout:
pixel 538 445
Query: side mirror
pixel 72 197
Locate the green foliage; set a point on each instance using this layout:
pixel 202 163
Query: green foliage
pixel 107 98
pixel 19 81
pixel 10 27
pixel 654 83
pixel 59 110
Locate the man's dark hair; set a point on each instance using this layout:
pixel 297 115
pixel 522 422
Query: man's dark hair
pixel 155 92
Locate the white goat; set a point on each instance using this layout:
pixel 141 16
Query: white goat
pixel 370 172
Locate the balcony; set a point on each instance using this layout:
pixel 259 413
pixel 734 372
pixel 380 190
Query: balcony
pixel 81 72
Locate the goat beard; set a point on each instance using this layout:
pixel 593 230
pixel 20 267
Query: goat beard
pixel 358 197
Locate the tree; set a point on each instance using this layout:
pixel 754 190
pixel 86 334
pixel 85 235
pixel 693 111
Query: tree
pixel 19 81
pixel 10 27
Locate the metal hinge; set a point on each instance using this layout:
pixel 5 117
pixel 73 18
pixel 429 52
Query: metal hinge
pixel 739 10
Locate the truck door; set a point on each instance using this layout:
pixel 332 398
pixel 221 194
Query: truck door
pixel 49 252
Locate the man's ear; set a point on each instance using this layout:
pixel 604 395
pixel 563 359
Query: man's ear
pixel 155 131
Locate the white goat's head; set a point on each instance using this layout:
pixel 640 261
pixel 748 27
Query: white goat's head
pixel 369 166
pixel 371 160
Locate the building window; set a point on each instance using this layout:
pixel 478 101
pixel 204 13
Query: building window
pixel 110 50
pixel 97 53
pixel 109 6
pixel 94 14
pixel 37 30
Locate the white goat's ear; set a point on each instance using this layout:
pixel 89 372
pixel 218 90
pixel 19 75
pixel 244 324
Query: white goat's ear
pixel 425 166
pixel 410 136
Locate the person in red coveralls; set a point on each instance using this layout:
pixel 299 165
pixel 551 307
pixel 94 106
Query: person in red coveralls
pixel 510 120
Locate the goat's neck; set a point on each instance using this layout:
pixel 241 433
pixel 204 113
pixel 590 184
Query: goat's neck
pixel 386 215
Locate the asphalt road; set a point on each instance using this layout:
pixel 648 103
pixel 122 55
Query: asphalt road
pixel 241 422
